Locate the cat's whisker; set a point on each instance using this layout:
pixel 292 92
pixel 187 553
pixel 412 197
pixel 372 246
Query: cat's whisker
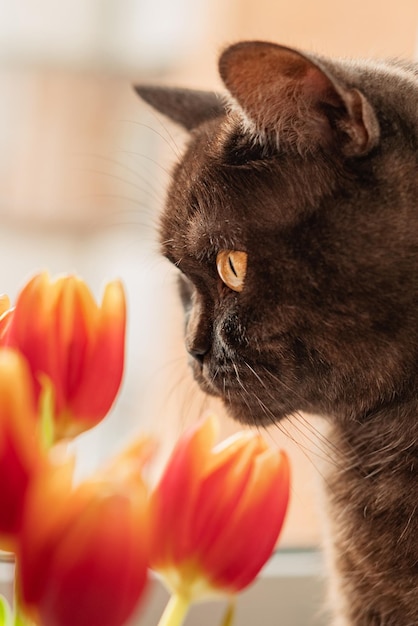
pixel 281 426
pixel 188 405
pixel 113 196
pixel 333 450
pixel 306 451
pixel 154 190
pixel 238 377
pixel 319 444
pixel 150 193
pixel 165 128
pixel 151 180
pixel 324 442
pixel 132 153
pixel 255 374
pixel 281 382
pixel 168 139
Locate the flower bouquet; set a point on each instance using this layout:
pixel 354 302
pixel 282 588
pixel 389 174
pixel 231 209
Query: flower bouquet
pixel 84 551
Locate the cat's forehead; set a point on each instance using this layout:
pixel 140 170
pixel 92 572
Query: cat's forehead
pixel 201 219
pixel 203 210
pixel 205 236
pixel 226 191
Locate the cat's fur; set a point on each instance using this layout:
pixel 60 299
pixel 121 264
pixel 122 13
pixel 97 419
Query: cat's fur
pixel 310 166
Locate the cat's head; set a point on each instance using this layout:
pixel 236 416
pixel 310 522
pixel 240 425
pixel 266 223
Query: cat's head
pixel 292 218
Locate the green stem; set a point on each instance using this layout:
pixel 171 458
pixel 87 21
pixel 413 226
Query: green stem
pixel 20 619
pixel 229 616
pixel 5 612
pixel 175 611
pixel 46 410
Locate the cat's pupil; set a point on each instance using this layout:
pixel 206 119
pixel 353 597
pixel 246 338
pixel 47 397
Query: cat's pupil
pixel 231 265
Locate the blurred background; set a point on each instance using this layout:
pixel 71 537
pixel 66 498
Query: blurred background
pixel 84 167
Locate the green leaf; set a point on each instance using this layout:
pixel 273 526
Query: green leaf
pixel 5 612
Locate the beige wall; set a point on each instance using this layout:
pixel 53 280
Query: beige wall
pixel 333 27
pixel 336 27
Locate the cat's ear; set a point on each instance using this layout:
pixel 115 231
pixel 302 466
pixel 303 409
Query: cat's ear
pixel 287 94
pixel 187 107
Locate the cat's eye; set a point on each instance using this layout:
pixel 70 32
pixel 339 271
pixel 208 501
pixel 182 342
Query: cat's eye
pixel 232 268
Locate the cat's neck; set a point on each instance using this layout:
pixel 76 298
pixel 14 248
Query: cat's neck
pixel 373 500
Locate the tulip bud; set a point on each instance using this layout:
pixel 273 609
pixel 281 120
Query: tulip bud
pixel 217 512
pixel 71 342
pixel 83 552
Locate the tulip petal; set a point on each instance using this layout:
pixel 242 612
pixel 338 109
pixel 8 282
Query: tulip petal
pixel 172 521
pixel 20 454
pixel 30 337
pixel 103 367
pixel 48 492
pixel 95 563
pixel 75 314
pixel 265 498
pixel 220 494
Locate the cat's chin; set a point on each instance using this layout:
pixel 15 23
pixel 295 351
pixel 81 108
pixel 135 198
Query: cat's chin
pixel 254 415
pixel 205 384
pixel 246 409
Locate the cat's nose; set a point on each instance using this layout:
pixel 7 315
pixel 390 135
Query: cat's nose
pixel 197 346
pixel 198 336
pixel 197 352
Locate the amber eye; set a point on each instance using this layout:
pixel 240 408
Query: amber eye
pixel 232 267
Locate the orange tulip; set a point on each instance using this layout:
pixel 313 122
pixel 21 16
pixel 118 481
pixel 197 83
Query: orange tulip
pixel 72 342
pixel 83 551
pixel 20 454
pixel 217 512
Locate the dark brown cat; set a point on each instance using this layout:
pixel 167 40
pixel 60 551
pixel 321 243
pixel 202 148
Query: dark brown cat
pixel 293 218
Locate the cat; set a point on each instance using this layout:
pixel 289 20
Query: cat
pixel 293 219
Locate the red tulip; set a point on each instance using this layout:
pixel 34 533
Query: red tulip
pixel 217 512
pixel 83 551
pixel 72 342
pixel 20 454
